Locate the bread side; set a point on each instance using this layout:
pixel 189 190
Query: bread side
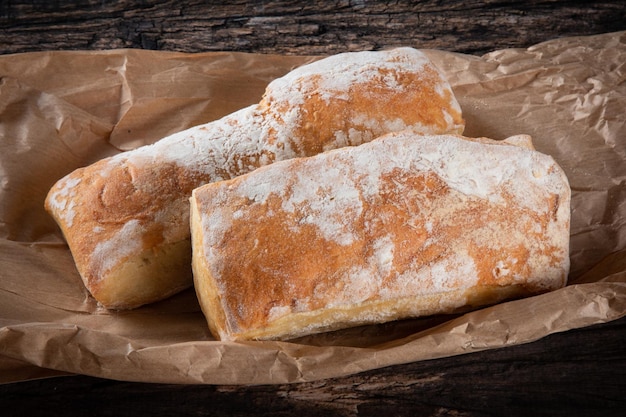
pixel 126 218
pixel 404 226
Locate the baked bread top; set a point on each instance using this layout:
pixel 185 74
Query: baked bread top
pixel 126 218
pixel 403 226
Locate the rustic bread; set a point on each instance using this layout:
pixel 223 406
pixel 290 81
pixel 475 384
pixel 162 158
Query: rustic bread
pixel 404 226
pixel 126 218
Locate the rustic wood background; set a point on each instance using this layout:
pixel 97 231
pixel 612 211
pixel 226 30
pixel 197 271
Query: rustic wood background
pixel 298 27
pixel 576 373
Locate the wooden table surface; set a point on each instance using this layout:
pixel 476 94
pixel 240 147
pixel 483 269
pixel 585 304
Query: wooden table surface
pixel 579 372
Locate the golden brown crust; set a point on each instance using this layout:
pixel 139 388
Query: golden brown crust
pixel 127 212
pixel 426 106
pixel 403 226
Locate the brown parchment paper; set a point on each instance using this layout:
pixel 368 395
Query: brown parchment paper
pixel 62 110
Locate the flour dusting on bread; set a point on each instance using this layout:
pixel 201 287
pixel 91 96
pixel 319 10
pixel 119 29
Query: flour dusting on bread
pixel 142 195
pixel 394 228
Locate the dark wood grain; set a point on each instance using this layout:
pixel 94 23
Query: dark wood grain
pixel 575 373
pixel 296 27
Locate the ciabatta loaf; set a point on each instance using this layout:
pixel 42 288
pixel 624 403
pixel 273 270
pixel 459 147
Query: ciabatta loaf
pixel 126 218
pixel 404 226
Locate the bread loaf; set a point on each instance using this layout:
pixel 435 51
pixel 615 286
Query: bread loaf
pixel 126 218
pixel 404 226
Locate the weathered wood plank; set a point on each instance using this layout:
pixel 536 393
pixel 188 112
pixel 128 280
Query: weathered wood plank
pixel 292 27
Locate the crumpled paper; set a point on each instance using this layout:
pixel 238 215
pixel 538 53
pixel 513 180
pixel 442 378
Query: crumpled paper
pixel 63 110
